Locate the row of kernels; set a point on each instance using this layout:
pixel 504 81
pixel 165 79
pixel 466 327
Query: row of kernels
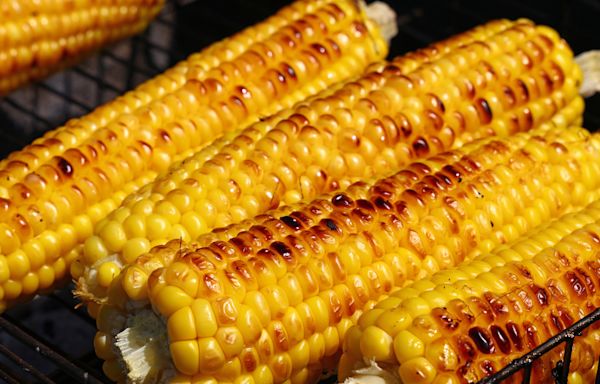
pixel 410 345
pixel 218 196
pixel 50 27
pixel 151 86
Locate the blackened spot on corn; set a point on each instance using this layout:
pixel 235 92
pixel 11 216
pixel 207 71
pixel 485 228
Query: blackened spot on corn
pixel 282 249
pixel 556 322
pixel 483 111
pixel 436 103
pixel 331 224
pixel 482 340
pixel 290 71
pixel 513 332
pixel 509 96
pixel 320 49
pixel 241 246
pixel 341 200
pixel 565 316
pixel 589 283
pixel 524 91
pixel 392 70
pixel 291 222
pixel 530 331
pixel 576 284
pixel 420 146
pixel 381 203
pixel 364 217
pixel 452 171
pixel 469 88
pixel 264 231
pixel 65 167
pixel 302 217
pixel 445 179
pixel 500 338
pixel 488 367
pixel 540 294
pixel 365 204
pixel 405 125
pixel 436 120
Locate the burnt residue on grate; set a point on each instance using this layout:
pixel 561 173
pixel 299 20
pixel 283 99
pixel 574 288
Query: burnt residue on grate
pixel 47 340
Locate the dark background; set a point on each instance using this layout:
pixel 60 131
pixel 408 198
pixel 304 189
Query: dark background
pixel 179 31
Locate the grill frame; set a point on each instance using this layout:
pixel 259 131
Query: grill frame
pixel 31 353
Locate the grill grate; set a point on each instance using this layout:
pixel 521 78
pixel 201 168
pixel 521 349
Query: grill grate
pixel 49 341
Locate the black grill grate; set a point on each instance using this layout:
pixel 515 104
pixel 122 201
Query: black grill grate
pixel 49 341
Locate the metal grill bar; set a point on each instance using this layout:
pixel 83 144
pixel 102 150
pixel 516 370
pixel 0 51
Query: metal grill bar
pixel 25 365
pixel 525 362
pixel 81 375
pixel 8 376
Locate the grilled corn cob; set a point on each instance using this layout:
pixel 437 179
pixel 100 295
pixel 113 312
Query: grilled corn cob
pixel 505 77
pixel 465 324
pixel 272 303
pixel 40 37
pixel 54 191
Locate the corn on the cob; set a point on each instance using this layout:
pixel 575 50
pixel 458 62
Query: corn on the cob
pixel 54 191
pixel 505 77
pixel 272 303
pixel 466 323
pixel 40 37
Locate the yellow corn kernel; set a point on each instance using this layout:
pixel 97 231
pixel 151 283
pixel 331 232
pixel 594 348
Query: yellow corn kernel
pixel 407 346
pixel 186 356
pixel 204 317
pixel 107 273
pixel 181 325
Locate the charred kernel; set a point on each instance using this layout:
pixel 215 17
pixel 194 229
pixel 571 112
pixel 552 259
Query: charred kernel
pixel 482 340
pixel 341 200
pixel 531 332
pixel 330 224
pixel 291 222
pixel 488 367
pixel 465 348
pixel 381 203
pixel 64 166
pixel 365 204
pixel 445 319
pixel 290 71
pixel 576 284
pixel 509 96
pixel 484 111
pixel 500 338
pixel 282 249
pixel 556 322
pixel 540 294
pixel 589 283
pixel 523 91
pixel 244 248
pixel 420 146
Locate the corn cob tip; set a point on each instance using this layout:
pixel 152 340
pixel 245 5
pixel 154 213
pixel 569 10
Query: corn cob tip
pixel 372 374
pixel 385 18
pixel 143 349
pixel 589 62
